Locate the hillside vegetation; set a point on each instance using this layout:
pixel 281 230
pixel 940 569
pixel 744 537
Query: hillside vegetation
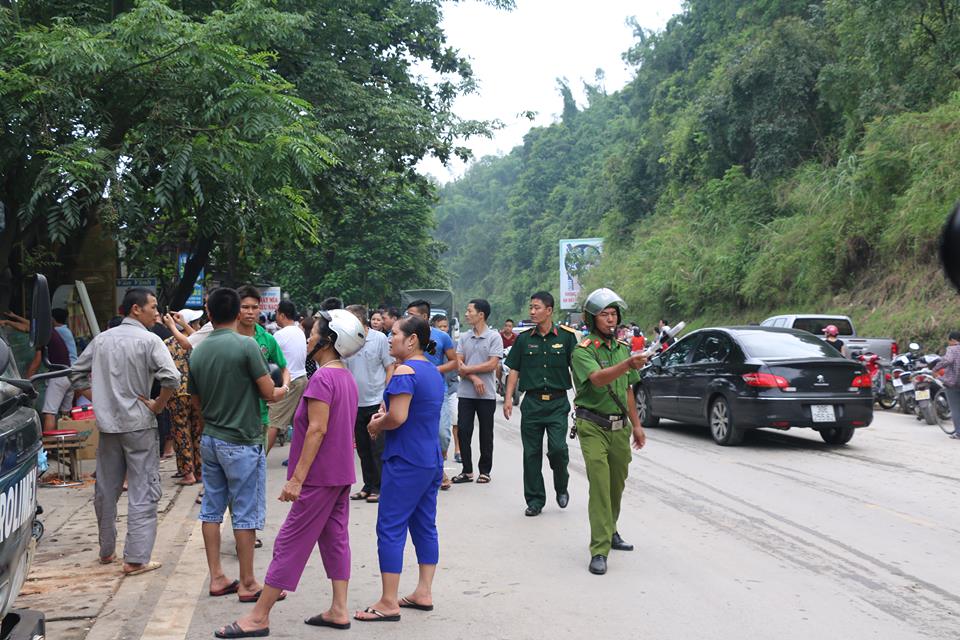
pixel 767 157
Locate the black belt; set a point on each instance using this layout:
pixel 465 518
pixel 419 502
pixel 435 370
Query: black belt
pixel 545 394
pixel 606 422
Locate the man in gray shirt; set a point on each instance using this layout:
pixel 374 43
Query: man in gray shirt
pixel 116 371
pixel 371 367
pixel 479 351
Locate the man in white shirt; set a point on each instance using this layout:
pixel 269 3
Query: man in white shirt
pixel 293 344
pixel 372 368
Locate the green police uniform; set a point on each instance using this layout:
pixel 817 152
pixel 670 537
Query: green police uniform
pixel 543 365
pixel 606 452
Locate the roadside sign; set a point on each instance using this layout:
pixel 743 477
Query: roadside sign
pixel 196 297
pixel 125 284
pixel 269 299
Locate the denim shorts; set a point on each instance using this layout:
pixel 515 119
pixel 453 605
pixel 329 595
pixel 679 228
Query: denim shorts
pixel 234 476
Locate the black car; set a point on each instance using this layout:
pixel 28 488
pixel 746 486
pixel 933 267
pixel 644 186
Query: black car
pixel 738 378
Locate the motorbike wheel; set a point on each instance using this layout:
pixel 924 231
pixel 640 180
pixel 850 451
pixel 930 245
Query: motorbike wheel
pixel 944 416
pixel 887 399
pixel 928 412
pixel 909 404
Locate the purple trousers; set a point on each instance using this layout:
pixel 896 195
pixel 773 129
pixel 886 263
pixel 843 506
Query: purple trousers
pixel 320 517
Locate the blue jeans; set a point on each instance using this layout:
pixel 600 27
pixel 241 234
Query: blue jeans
pixel 234 476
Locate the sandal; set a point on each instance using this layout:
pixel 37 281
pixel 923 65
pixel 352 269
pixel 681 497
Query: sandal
pixel 144 568
pixel 373 498
pixel 378 616
pixel 483 479
pixel 359 495
pixel 460 479
pixel 234 630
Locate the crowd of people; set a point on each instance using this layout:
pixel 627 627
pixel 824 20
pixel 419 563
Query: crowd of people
pixel 393 386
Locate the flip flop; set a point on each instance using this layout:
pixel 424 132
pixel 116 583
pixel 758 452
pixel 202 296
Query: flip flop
pixel 227 590
pixel 460 479
pixel 373 498
pixel 380 617
pixel 359 495
pixel 407 603
pixel 253 597
pixel 150 566
pixel 185 484
pixel 483 478
pixel 108 559
pixel 319 621
pixel 234 630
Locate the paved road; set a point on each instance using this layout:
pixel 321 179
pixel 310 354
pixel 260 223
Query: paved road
pixel 783 535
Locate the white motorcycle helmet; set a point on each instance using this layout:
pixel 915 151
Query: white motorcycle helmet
pixel 343 330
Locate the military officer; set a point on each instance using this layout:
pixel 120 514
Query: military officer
pixel 539 362
pixel 603 373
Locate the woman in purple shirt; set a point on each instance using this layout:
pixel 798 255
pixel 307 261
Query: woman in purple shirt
pixel 412 470
pixel 319 476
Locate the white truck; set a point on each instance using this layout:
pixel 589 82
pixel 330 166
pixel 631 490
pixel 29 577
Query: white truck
pixel 886 348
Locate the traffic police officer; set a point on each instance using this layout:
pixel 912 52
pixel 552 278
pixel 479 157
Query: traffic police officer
pixel 540 361
pixel 603 373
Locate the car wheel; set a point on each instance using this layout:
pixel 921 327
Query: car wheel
pixel 645 409
pixel 836 435
pixel 722 426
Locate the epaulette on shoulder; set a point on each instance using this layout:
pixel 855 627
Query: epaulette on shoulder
pixel 570 329
pixel 524 329
pixel 585 342
pixel 624 343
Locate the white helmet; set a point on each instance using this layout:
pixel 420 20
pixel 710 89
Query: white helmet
pixel 343 330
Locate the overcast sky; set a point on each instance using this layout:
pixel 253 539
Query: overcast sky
pixel 518 55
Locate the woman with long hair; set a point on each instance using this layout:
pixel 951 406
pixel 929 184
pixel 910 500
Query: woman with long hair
pixel 412 470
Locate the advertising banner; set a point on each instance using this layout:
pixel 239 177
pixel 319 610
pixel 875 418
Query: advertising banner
pixel 269 299
pixel 577 256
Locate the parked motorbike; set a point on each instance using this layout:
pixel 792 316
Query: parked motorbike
pixel 884 392
pixel 502 379
pixel 931 401
pixel 903 368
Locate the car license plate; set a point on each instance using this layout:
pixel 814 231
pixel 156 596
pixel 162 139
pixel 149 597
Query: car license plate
pixel 823 413
pixel 922 394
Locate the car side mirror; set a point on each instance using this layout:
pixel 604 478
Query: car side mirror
pixel 4 356
pixel 950 247
pixel 40 322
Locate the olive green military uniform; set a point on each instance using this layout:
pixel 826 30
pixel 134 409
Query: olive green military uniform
pixel 606 453
pixel 543 364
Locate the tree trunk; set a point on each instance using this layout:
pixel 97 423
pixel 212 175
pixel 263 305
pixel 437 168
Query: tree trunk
pixel 199 257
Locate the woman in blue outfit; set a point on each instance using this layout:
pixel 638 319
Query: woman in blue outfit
pixel 412 470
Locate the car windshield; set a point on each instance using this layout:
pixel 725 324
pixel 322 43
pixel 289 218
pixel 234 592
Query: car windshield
pixel 774 345
pixel 816 325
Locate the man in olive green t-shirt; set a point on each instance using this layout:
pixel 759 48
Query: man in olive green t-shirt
pixel 227 376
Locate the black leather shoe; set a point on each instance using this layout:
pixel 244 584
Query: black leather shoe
pixel 532 511
pixel 598 565
pixel 619 544
pixel 563 499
